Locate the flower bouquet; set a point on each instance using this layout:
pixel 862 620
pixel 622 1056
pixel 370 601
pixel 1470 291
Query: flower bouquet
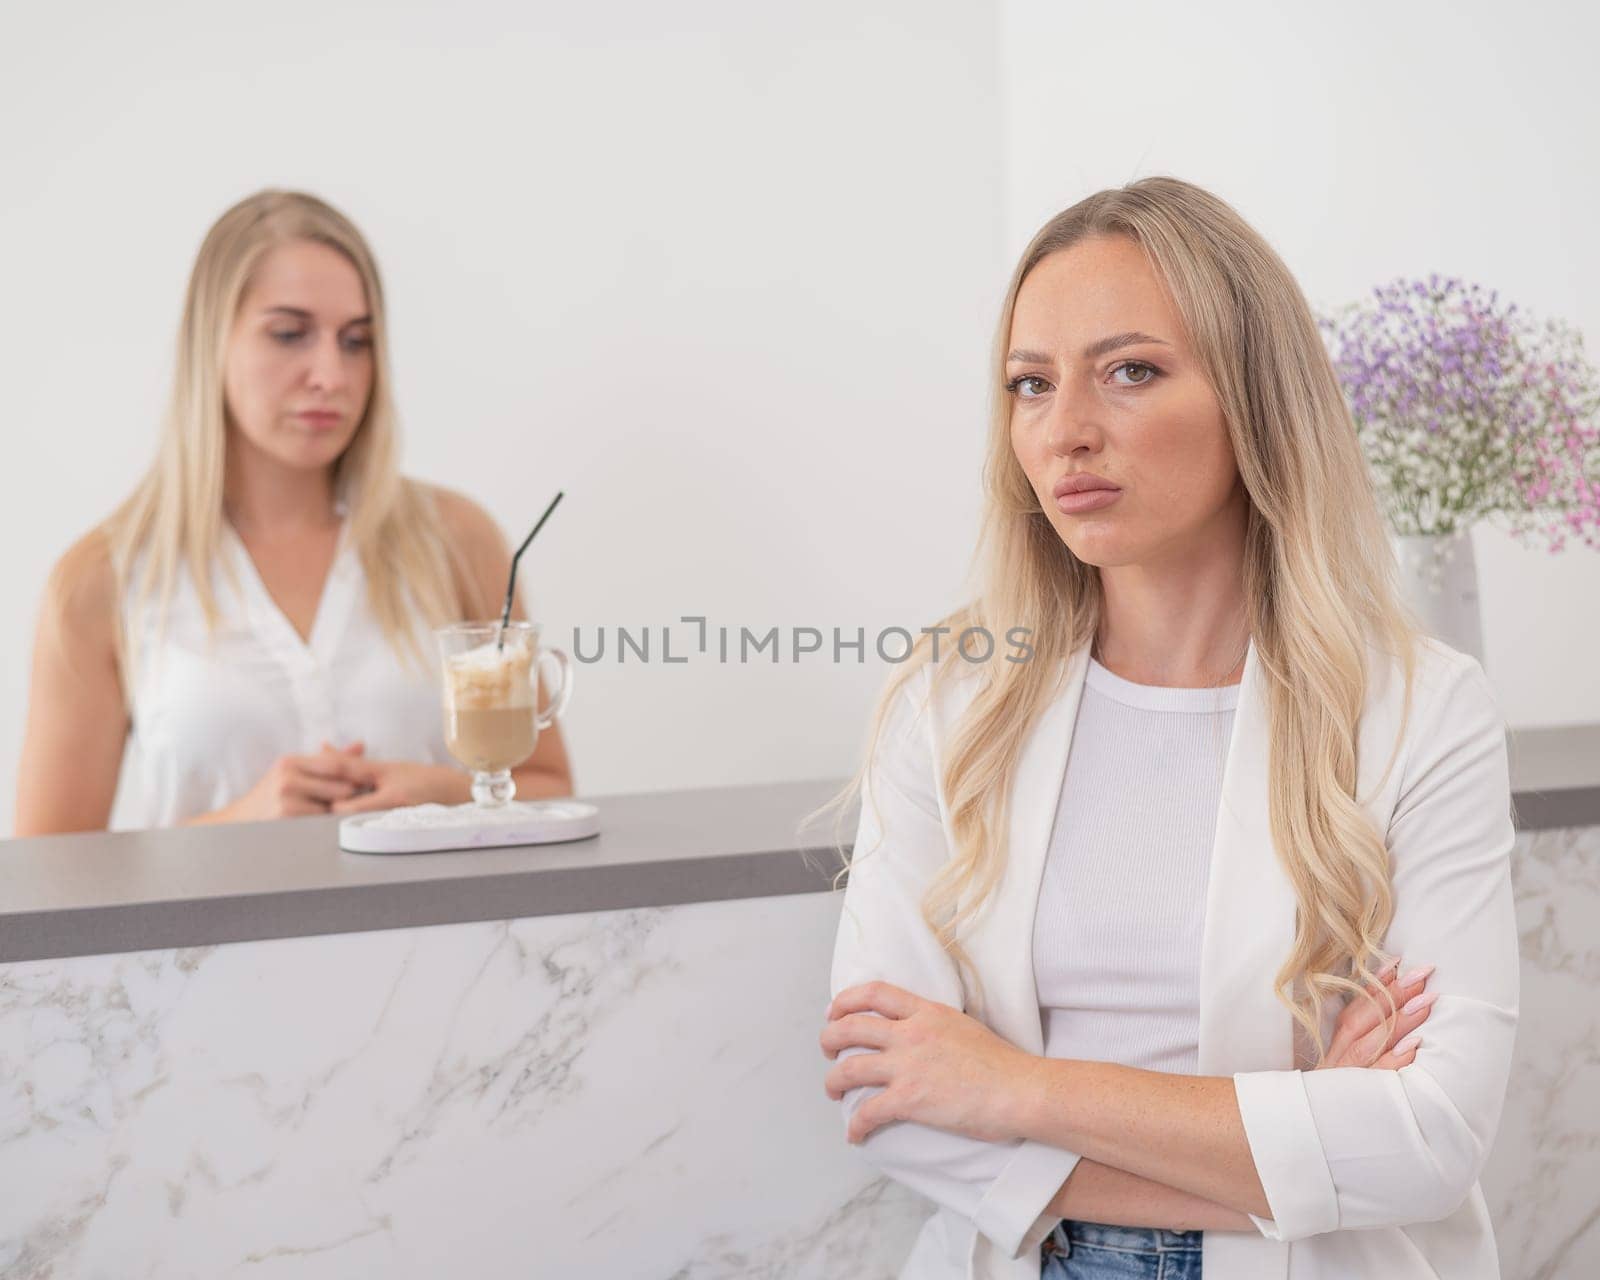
pixel 1468 408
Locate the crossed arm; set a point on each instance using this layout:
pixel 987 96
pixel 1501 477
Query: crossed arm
pixel 1155 1148
pixel 1172 1144
pixel 1095 1192
pixel 1188 1129
pixel 1152 1148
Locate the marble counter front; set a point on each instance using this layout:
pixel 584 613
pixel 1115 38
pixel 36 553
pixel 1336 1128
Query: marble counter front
pixel 623 1093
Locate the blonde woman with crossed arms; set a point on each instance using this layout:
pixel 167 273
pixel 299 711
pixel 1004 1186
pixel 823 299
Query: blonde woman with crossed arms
pixel 247 636
pixel 1115 978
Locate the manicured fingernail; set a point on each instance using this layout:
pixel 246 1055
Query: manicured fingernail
pixel 1417 975
pixel 1420 1001
pixel 1407 1045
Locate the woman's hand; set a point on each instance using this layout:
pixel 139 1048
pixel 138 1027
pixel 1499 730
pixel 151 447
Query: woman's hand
pixel 1358 1036
pixel 298 786
pixel 397 783
pixel 936 1064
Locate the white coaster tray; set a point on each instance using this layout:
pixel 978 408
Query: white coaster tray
pixel 424 828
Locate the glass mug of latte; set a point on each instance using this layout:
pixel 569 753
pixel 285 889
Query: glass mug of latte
pixel 491 714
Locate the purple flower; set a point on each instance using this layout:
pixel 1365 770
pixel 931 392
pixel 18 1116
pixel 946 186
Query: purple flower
pixel 1467 408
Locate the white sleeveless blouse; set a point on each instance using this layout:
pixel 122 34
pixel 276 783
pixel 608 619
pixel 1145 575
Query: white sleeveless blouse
pixel 211 714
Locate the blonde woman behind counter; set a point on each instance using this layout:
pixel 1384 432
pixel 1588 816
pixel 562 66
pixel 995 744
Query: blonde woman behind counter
pixel 247 636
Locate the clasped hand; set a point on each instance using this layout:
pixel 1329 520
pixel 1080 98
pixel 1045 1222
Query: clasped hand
pixel 342 780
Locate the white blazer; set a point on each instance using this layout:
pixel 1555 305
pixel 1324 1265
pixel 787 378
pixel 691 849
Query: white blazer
pixel 1368 1172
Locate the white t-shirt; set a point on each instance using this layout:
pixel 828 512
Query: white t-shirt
pixel 210 717
pixel 1121 915
pixel 1121 911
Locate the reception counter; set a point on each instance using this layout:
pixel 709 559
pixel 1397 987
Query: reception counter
pixel 239 1050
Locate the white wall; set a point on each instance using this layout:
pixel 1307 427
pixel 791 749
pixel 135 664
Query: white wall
pixel 723 272
pixel 726 273
pixel 1366 141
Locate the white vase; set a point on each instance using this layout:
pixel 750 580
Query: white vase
pixel 1439 580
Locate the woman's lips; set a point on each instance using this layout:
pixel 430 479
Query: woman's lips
pixel 320 420
pixel 1072 504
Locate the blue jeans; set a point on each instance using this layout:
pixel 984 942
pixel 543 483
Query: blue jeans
pixel 1078 1250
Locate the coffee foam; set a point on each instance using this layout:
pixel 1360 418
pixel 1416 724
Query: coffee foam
pixel 488 677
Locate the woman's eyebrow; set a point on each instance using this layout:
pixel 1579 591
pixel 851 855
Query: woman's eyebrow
pixel 1099 347
pixel 300 313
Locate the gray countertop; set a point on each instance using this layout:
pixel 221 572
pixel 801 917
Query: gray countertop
pixel 190 886
pixel 1555 776
pixel 100 892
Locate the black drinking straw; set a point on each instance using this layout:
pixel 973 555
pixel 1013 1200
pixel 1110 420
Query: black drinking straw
pixel 511 586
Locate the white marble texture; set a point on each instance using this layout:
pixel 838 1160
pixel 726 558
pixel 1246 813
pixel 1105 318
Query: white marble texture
pixel 1542 1181
pixel 628 1094
pixel 623 1094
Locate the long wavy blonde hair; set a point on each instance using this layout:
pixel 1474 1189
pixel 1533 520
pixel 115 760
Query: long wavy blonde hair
pixel 1319 575
pixel 175 514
